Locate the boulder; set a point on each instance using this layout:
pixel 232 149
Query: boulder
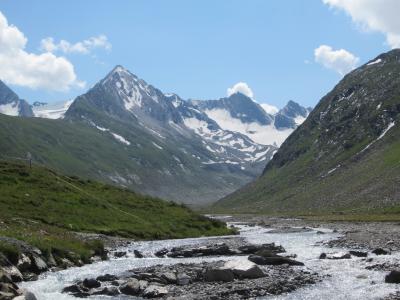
pixel 38 264
pixel 119 254
pixel 106 277
pixel 4 276
pixel 131 287
pixel 24 263
pixel 108 291
pixel 277 260
pixel 14 273
pixel 358 253
pixel 218 274
pixel 26 296
pixel 6 296
pixel 381 251
pixel 323 256
pixel 169 277
pixel 161 253
pixel 155 291
pixel 244 269
pixel 393 277
pixel 252 249
pixel 138 254
pixel 183 279
pixel 91 283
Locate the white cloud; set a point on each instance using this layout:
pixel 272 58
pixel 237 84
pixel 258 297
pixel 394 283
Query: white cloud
pixel 20 67
pixel 83 47
pixel 341 61
pixel 240 87
pixel 373 15
pixel 269 109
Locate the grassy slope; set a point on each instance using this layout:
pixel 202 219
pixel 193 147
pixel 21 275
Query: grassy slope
pixel 297 182
pixel 43 208
pixel 82 150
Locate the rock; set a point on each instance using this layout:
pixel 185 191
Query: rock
pixel 106 277
pixel 161 253
pixel 6 296
pixel 4 276
pixel 323 256
pixel 14 273
pixel 119 254
pixel 369 259
pixel 38 264
pixel 344 256
pixel 320 232
pixel 108 291
pixel 155 291
pixel 358 253
pixel 30 276
pixel 209 250
pixel 26 296
pixel 24 263
pixel 252 249
pixel 277 260
pixel 91 283
pixel 138 254
pixel 381 251
pixel 169 277
pixel 183 279
pixel 143 284
pixel 51 261
pixel 266 253
pixel 66 263
pixel 244 269
pixel 393 277
pixel 76 290
pixel 131 287
pixel 217 274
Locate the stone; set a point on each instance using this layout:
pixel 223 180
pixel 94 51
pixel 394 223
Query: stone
pixel 169 277
pixel 358 253
pixel 26 296
pixel 131 287
pixel 6 296
pixel 15 274
pixel 277 260
pixel 244 269
pixel 217 274
pixel 138 254
pixel 91 283
pixel 155 291
pixel 183 279
pixel 381 251
pixel 119 254
pixel 323 256
pixel 24 263
pixel 161 253
pixel 393 277
pixel 38 264
pixel 106 277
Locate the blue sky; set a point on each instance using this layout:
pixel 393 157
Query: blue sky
pixel 196 49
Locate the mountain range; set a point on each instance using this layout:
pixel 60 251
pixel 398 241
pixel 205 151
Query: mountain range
pixel 127 132
pixel 344 158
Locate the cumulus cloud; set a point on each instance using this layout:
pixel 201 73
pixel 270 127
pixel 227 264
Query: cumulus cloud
pixel 374 15
pixel 19 67
pixel 240 87
pixel 83 47
pixel 341 61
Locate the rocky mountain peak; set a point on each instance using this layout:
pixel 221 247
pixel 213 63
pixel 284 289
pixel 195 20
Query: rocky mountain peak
pixel 10 104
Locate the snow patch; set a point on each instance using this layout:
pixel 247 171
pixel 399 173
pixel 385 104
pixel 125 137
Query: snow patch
pixel 377 61
pixel 157 146
pixel 52 110
pixel 120 138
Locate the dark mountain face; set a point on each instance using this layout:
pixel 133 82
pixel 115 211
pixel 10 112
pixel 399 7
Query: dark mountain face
pixel 10 103
pixel 345 156
pixel 292 115
pixel 240 107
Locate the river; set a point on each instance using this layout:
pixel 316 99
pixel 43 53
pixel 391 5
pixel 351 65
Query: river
pixel 348 280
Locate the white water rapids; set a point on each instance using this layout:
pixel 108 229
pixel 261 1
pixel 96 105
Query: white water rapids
pixel 349 280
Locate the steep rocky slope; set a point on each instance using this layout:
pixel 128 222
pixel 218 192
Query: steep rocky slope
pixel 344 157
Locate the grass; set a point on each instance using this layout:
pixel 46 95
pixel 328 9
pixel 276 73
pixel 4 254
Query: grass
pixel 44 208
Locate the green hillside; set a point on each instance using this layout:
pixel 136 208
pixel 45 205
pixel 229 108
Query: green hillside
pixel 43 208
pixel 345 158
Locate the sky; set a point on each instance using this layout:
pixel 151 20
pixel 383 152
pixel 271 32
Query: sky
pixel 273 51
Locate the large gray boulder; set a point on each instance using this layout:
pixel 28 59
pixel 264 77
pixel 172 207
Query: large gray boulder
pixel 274 261
pixel 219 274
pixel 131 287
pixel 244 269
pixel 393 277
pixel 155 291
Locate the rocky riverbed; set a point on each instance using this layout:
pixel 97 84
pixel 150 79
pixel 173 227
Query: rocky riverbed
pixel 271 259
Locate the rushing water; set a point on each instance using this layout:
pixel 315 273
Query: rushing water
pixel 349 280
